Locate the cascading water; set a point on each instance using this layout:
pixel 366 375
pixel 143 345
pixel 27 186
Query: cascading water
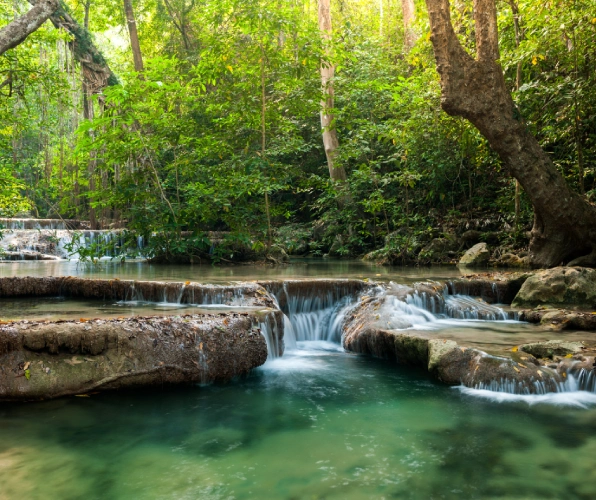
pixel 579 390
pixel 314 317
pixel 60 243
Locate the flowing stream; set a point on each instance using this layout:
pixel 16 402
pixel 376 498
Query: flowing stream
pixel 315 423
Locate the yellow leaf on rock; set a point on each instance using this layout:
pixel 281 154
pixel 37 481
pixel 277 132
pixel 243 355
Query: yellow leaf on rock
pixel 514 349
pixel 569 355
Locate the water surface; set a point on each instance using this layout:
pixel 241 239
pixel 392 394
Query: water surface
pixel 297 269
pixel 318 423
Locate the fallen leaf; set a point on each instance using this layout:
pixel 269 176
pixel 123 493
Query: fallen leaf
pixel 82 395
pixel 514 349
pixel 516 369
pixel 27 364
pixel 523 366
pixel 539 373
pixel 569 355
pixel 187 282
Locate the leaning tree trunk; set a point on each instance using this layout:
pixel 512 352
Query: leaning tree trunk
pixel 17 31
pixel 564 223
pixel 330 141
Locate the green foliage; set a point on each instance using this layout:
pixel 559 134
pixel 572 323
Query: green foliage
pixel 177 154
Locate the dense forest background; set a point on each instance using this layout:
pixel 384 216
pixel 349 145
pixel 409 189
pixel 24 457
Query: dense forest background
pixel 211 127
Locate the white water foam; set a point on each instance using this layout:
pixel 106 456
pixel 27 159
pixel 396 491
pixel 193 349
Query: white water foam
pixel 575 399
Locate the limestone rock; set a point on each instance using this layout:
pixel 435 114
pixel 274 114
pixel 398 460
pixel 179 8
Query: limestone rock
pixel 439 248
pixel 552 348
pixel 512 260
pixel 437 349
pixel 478 255
pixel 571 287
pixel 44 360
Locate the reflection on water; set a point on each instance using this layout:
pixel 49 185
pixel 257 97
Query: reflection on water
pixel 318 423
pixel 299 268
pixel 52 308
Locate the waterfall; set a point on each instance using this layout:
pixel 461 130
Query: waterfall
pixel 579 390
pixel 312 313
pixel 19 243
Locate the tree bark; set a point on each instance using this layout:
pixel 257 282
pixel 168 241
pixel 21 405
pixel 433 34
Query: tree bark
pixel 564 223
pixel 330 141
pixel 95 68
pixel 134 36
pixel 408 9
pixel 16 32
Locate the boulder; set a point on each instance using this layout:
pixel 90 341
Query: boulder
pixel 567 287
pixel 512 260
pixel 438 249
pixel 277 255
pixel 552 348
pixel 478 255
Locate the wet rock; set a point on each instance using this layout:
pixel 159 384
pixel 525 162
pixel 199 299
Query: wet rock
pixel 53 359
pixel 26 255
pixel 478 255
pixel 552 348
pixel 437 350
pixel 495 287
pixel 245 294
pixel 444 359
pixel 560 319
pixel 567 287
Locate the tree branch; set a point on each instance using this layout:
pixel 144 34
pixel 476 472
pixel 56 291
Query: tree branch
pixel 95 68
pixel 16 32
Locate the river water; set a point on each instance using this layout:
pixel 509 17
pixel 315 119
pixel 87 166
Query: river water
pixel 316 423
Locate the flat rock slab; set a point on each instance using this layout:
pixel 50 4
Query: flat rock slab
pixel 518 371
pixel 43 360
pixel 552 348
pixel 560 319
pixel 245 294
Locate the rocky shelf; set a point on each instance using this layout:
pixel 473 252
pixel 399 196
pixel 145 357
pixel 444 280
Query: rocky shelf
pixel 47 359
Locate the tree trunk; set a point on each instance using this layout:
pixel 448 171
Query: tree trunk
pixel 564 223
pixel 16 32
pixel 409 14
pixel 330 141
pixel 134 36
pixel 94 66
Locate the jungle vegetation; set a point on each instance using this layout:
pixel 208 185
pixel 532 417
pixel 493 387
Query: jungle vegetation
pixel 321 126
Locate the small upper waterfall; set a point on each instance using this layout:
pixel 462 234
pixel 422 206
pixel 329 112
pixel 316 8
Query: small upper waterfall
pixel 53 244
